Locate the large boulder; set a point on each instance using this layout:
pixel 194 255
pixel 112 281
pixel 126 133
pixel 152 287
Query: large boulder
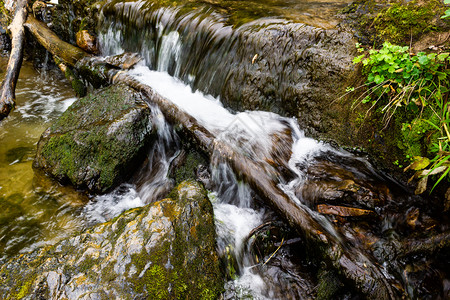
pixel 98 141
pixel 165 250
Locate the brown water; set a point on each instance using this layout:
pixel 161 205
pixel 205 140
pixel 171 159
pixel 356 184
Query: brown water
pixel 33 208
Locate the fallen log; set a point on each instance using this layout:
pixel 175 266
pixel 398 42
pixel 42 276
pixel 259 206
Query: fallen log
pixel 8 87
pixel 350 261
pixel 68 53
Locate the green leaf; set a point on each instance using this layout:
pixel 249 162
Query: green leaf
pixel 378 79
pixel 358 59
pixel 441 75
pixel 423 60
pixel 443 56
pixel 432 124
pixel 440 178
pixel 349 89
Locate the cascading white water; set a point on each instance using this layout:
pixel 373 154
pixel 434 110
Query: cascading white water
pixel 152 181
pixel 249 132
pixel 174 72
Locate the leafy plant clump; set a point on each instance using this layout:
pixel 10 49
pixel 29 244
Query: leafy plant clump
pixel 447 12
pixel 415 86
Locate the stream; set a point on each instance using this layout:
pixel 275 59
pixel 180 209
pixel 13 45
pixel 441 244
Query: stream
pixel 263 258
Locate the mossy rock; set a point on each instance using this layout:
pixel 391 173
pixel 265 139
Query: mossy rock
pixel 165 250
pixel 100 139
pixel 396 21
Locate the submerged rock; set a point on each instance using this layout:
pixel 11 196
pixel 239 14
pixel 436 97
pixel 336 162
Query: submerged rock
pixel 165 250
pixel 98 141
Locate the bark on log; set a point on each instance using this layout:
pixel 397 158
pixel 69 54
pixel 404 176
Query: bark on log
pixel 8 87
pixel 350 261
pixel 427 245
pixel 68 53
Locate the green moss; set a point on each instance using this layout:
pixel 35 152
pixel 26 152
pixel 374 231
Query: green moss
pixel 77 85
pixel 156 279
pixel 187 170
pixel 396 21
pixel 91 145
pixel 5 18
pixel 404 20
pixel 87 264
pixel 328 285
pixel 24 290
pixel 156 276
pixel 108 273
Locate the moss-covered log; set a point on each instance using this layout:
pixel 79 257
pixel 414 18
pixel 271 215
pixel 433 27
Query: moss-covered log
pixel 350 261
pixel 7 98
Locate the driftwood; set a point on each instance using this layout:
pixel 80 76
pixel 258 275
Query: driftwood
pixel 351 262
pixel 8 87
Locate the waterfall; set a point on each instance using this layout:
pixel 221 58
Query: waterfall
pixel 217 71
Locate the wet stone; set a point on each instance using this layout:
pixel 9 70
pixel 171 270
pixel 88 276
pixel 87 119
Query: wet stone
pixel 165 250
pixel 87 41
pixel 97 143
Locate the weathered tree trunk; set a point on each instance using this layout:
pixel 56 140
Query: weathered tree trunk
pixel 8 96
pixel 351 262
pixel 68 53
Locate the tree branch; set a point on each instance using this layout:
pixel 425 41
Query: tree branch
pixel 8 96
